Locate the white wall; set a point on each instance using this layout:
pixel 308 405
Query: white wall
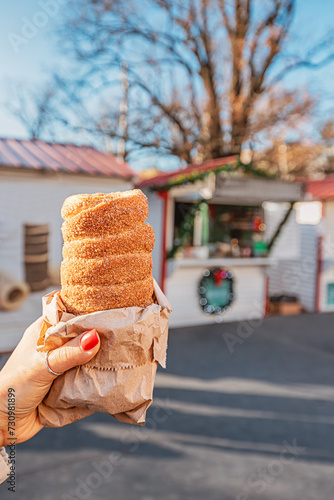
pixel 156 213
pixel 308 266
pixel 328 231
pixel 327 275
pixel 182 292
pixel 34 197
pixel 284 274
pixel 287 245
pixel 295 254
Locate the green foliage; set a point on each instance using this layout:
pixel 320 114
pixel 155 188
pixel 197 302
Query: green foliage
pixel 194 176
pixel 186 229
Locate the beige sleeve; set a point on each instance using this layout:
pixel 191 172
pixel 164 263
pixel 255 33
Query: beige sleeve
pixel 4 467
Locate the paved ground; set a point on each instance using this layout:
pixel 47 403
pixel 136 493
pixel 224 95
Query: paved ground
pixel 253 424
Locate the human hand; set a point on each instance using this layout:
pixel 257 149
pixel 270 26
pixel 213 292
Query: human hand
pixel 26 373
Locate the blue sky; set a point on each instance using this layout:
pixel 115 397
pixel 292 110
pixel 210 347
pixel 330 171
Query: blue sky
pixel 31 62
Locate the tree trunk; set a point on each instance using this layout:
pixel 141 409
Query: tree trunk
pixel 239 127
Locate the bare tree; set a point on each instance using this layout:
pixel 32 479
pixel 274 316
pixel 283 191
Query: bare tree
pixel 304 157
pixel 327 132
pixel 33 108
pixel 293 159
pixel 204 76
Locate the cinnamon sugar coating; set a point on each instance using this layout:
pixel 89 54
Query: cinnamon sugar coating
pixel 81 299
pixel 137 239
pixel 109 270
pixel 108 214
pixel 107 260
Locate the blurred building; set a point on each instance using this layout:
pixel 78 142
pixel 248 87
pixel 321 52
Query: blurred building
pixel 323 232
pixel 35 178
pixel 213 231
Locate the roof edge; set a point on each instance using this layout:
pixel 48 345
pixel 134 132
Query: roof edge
pixel 193 167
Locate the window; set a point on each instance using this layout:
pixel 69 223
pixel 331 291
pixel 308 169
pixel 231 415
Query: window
pixel 330 294
pixel 227 230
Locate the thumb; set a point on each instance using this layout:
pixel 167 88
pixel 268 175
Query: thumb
pixel 77 351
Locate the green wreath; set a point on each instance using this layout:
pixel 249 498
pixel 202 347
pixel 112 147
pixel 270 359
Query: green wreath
pixel 216 290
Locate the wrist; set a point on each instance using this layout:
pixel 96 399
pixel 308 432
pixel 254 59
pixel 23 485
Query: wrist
pixel 3 453
pixel 3 431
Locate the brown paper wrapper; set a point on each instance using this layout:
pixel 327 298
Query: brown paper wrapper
pixel 119 380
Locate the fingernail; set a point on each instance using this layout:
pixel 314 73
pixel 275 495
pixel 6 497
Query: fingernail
pixel 89 340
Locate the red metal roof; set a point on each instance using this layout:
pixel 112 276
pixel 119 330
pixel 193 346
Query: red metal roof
pixel 68 158
pixel 161 179
pixel 321 189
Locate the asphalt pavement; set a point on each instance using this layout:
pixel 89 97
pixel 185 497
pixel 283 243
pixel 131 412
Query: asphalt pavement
pixel 243 412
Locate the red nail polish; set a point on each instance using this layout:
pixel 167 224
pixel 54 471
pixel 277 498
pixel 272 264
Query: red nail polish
pixel 89 340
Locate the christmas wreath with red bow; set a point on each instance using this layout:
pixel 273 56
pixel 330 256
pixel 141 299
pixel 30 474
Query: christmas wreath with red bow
pixel 216 290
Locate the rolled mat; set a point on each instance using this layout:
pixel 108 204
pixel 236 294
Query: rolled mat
pixel 12 292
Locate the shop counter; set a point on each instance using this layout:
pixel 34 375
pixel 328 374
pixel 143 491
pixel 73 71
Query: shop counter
pixel 217 290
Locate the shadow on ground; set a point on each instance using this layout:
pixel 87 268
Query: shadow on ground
pixel 223 417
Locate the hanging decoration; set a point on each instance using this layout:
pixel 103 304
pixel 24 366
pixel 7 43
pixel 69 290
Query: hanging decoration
pixel 205 216
pixel 216 290
pixel 186 229
pixel 198 175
